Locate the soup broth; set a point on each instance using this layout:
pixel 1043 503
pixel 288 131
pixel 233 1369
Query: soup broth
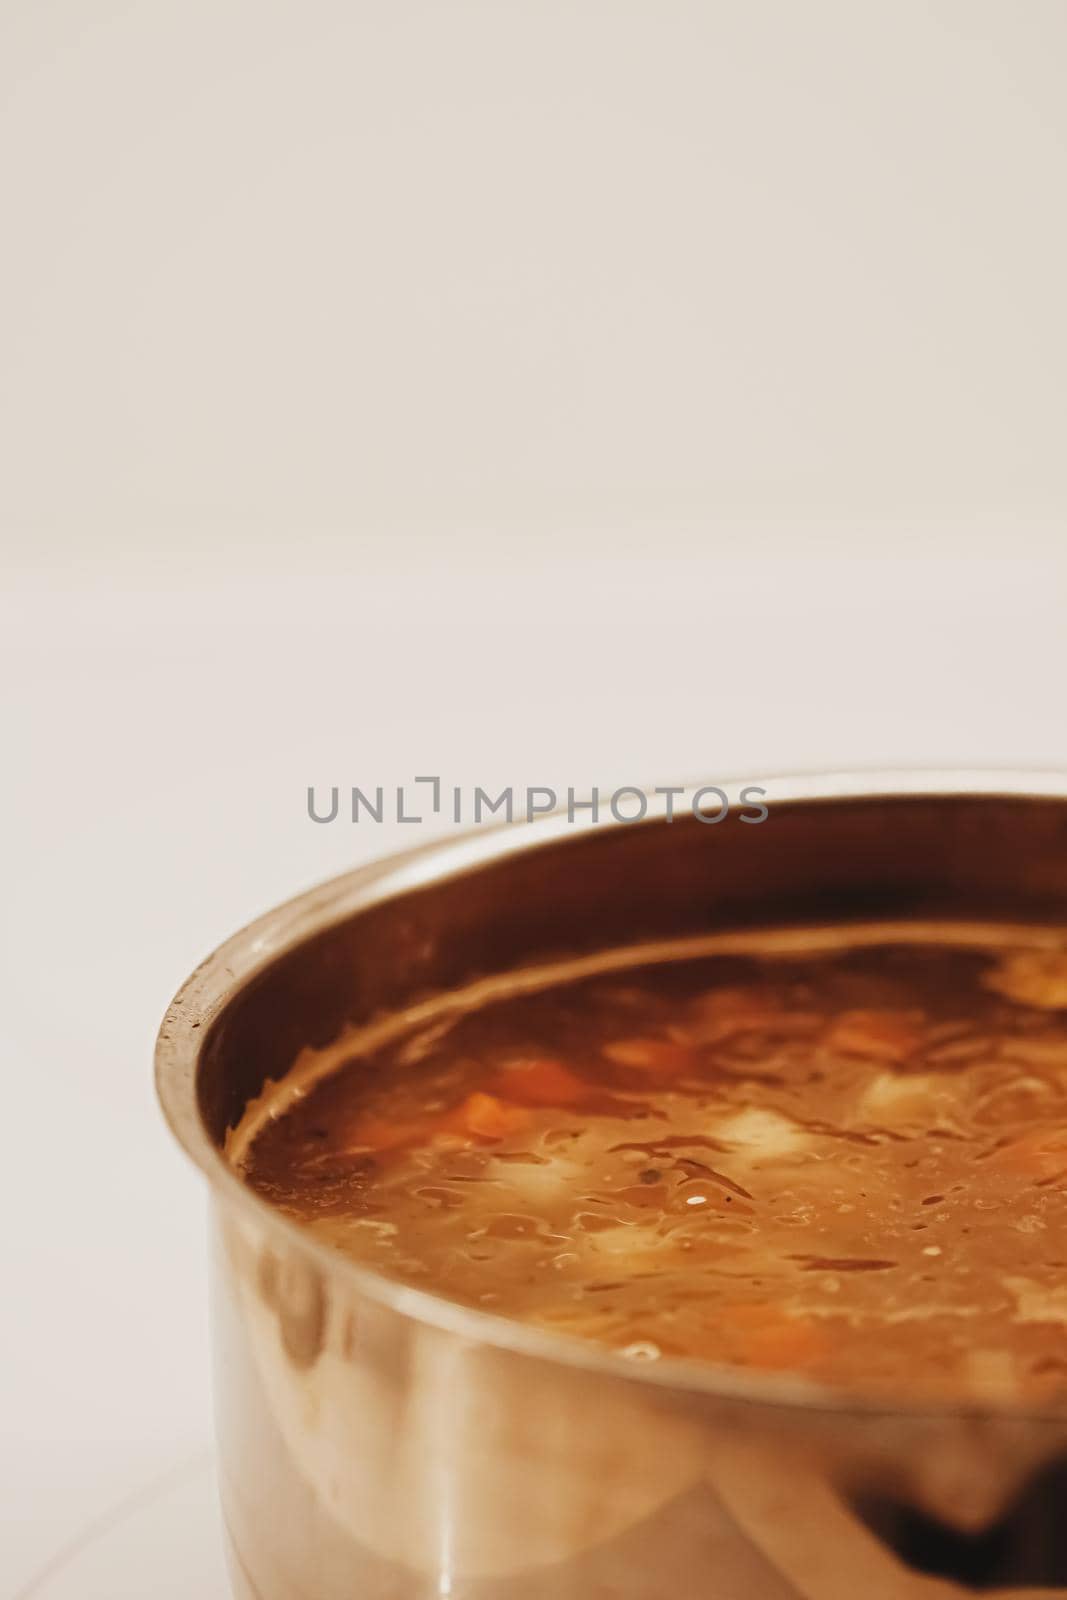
pixel 836 1154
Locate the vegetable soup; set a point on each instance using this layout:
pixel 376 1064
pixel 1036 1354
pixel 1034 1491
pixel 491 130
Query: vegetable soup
pixel 839 1153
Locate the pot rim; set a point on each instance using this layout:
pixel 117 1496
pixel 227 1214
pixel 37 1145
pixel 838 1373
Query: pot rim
pixel 211 987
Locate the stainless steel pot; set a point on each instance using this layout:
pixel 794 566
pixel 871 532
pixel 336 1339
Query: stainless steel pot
pixel 375 1441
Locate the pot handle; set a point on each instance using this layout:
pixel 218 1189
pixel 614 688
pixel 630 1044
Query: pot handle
pixel 803 1527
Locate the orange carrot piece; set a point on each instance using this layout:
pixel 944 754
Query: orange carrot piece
pixel 766 1336
pixel 541 1083
pixel 877 1035
pixel 789 1348
pixel 484 1116
pixel 479 1116
pixel 662 1058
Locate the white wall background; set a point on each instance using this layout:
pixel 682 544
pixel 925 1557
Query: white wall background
pixel 577 392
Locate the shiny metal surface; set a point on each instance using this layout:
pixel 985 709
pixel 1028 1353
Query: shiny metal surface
pixel 378 1442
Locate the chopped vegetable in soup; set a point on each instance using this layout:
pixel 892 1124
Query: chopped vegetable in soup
pixel 847 1161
